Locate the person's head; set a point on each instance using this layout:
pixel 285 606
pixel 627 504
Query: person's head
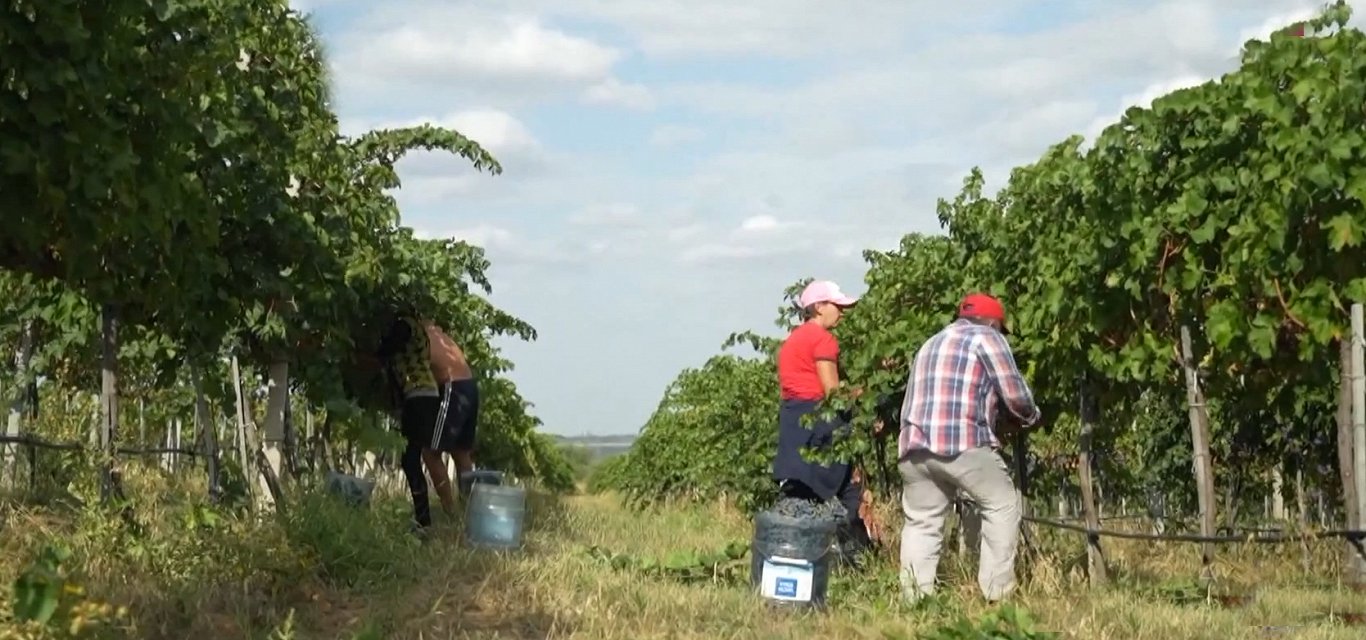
pixel 823 302
pixel 983 309
pixel 392 314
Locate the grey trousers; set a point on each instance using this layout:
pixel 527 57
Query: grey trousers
pixel 929 485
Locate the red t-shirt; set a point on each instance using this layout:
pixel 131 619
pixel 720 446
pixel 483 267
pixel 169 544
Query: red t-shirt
pixel 797 358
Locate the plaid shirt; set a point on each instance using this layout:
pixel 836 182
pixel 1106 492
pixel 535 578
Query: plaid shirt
pixel 953 389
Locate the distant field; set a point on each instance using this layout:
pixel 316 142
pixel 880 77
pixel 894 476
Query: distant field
pixel 600 447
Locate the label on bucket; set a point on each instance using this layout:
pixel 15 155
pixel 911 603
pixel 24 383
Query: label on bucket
pixel 786 579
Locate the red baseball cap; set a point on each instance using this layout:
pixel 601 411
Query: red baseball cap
pixel 982 305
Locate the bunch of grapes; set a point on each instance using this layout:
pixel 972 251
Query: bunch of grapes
pixel 810 509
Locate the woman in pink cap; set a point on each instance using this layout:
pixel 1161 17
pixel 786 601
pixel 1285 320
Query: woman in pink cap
pixel 807 373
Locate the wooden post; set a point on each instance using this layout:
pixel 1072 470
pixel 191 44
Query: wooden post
pixel 323 454
pixel 1358 400
pixel 1302 520
pixel 1346 456
pixel 310 460
pixel 142 422
pixel 167 443
pixel 207 429
pixel 239 442
pixel 1199 421
pixel 1301 500
pixel 1277 493
pixel 93 433
pixel 9 463
pixel 243 458
pixel 109 401
pixel 1230 497
pixel 277 398
pixel 177 459
pixel 1095 557
pixel 271 494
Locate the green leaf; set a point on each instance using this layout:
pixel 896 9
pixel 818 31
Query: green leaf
pixel 1205 232
pixel 1342 231
pixel 164 9
pixel 1261 337
pixel 1320 175
pixel 1222 323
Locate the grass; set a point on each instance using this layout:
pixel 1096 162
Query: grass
pixel 330 571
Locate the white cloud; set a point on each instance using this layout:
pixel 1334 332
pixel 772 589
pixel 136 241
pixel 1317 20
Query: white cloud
pixel 1189 78
pixel 1143 99
pixel 431 177
pixel 760 223
pixel 615 92
pixel 836 144
pixel 685 232
pixel 766 236
pixel 507 247
pixel 954 82
pixel 426 52
pixel 502 48
pixel 308 6
pixel 1018 133
pixel 616 214
pixel 787 28
pixel 670 135
pixel 1281 20
pixel 483 235
pixel 495 130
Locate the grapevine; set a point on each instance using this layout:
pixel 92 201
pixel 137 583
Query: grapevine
pixel 201 200
pixel 1236 208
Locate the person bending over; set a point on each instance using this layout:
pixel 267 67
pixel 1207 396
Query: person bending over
pixel 405 351
pixel 459 413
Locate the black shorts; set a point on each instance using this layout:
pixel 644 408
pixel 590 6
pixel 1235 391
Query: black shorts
pixel 460 414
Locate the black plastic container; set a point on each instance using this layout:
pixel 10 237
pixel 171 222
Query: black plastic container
pixel 790 565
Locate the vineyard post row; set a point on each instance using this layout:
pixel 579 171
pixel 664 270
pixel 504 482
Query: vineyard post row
pixel 1352 456
pixel 266 459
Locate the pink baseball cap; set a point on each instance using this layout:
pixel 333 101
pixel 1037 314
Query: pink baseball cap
pixel 825 291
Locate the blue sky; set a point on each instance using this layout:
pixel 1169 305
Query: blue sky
pixel 671 165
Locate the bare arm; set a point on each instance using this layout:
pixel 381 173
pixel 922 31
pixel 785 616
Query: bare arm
pixel 829 374
pixel 827 353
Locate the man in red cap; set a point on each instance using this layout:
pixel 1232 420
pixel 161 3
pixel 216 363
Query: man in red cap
pixel 947 444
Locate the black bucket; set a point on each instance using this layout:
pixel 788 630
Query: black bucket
pixel 790 565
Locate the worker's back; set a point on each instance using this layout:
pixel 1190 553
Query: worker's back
pixel 448 360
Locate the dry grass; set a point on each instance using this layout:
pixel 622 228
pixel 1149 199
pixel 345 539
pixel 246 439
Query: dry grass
pixel 347 574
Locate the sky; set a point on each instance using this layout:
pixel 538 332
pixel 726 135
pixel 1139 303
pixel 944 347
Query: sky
pixel 671 165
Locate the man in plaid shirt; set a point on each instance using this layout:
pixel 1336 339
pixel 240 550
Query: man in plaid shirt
pixel 958 379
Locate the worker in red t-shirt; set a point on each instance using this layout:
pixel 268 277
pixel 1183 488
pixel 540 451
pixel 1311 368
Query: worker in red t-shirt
pixel 807 373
